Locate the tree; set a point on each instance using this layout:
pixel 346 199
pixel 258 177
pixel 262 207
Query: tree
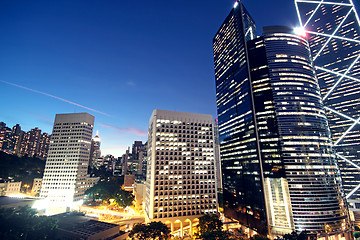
pixel 111 193
pixel 295 236
pixel 259 237
pixel 23 223
pixel 159 230
pixel 210 228
pixel 123 198
pixel 356 235
pixel 140 231
pixel 153 230
pixel 23 169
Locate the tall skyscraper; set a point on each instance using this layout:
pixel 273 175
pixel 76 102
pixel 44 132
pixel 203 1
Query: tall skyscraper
pixel 180 184
pixel 137 147
pixel 95 151
pixel 242 184
pixel 67 162
pixel 279 168
pixel 333 31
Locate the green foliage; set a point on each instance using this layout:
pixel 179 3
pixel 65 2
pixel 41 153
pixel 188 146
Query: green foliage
pixel 123 198
pixel 106 190
pixel 294 236
pixel 210 228
pixel 23 169
pixel 356 235
pixel 357 228
pixel 23 223
pixel 259 237
pixel 153 230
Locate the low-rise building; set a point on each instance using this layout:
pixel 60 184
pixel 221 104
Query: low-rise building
pixel 12 188
pixel 90 182
pixel 36 187
pixel 129 181
pixel 72 226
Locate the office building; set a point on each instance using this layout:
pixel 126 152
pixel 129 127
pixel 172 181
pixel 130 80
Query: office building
pixel 217 157
pixel 137 148
pixel 90 182
pixel 242 185
pixel 139 159
pixel 67 162
pixel 279 168
pixel 95 151
pixel 333 31
pixel 36 187
pixel 294 137
pixel 180 184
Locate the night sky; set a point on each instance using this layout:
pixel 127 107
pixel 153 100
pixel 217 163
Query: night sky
pixel 117 60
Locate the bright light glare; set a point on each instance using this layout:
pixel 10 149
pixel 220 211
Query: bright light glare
pixel 236 4
pixel 40 204
pixel 300 31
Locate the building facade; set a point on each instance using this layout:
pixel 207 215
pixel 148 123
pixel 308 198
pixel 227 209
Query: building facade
pixel 180 184
pixel 279 167
pixel 333 31
pixel 16 141
pixel 13 188
pixel 36 187
pixel 95 151
pixel 217 157
pixel 295 143
pixel 242 185
pixel 67 162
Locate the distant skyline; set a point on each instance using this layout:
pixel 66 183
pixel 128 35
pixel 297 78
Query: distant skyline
pixel 116 60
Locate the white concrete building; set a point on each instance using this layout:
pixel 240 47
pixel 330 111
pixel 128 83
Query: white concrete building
pixel 180 184
pixel 90 182
pixel 66 166
pixel 12 188
pixel 36 187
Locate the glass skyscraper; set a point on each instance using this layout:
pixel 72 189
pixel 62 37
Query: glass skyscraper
pixel 333 31
pixel 241 171
pixel 278 165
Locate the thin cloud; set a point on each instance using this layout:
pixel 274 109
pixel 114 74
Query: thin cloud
pixel 131 130
pixel 58 98
pixel 41 118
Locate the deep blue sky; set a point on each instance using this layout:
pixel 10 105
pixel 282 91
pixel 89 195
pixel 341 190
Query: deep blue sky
pixel 122 58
